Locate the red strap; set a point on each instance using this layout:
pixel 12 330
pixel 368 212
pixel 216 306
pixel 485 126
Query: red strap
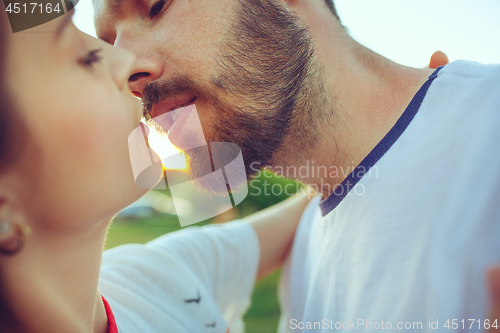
pixel 112 328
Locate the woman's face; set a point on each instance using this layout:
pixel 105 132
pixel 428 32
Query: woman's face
pixel 72 94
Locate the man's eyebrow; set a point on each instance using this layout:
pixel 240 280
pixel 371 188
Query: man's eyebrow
pixel 67 18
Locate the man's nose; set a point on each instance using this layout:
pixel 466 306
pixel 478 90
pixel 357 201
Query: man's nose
pixel 148 67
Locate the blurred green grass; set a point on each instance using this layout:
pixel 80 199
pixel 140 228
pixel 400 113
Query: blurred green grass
pixel 263 315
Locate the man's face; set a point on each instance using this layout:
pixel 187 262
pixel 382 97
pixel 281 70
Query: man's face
pixel 248 66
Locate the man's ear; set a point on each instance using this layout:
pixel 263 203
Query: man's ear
pixel 291 3
pixel 438 59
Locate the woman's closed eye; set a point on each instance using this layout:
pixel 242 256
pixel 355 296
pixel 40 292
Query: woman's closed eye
pixel 91 57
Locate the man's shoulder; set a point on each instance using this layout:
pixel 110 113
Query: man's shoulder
pixel 470 70
pixel 463 86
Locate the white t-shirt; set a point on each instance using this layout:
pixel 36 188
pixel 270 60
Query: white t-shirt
pixel 196 280
pixel 412 241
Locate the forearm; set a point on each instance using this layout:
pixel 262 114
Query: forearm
pixel 275 227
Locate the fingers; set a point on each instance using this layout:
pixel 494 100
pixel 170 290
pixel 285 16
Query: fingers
pixel 438 59
pixel 493 281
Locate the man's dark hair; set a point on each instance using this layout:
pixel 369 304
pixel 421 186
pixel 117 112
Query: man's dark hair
pixel 8 137
pixel 7 318
pixel 4 102
pixel 330 5
pixel 10 124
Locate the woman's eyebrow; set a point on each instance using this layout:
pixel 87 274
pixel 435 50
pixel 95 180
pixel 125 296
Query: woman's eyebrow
pixel 67 18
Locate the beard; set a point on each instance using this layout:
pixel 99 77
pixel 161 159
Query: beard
pixel 268 90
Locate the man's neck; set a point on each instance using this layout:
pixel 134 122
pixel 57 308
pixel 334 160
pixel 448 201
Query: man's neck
pixel 368 93
pixel 53 282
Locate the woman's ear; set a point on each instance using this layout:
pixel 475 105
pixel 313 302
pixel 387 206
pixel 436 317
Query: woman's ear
pixel 13 233
pixel 7 231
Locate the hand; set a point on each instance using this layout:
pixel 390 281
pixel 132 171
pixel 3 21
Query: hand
pixel 438 59
pixel 275 227
pixel 493 281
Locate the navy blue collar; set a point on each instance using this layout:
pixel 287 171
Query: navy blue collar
pixel 382 147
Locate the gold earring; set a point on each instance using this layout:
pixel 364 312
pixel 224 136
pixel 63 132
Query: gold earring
pixel 22 232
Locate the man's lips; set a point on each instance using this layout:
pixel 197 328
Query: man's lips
pixel 167 119
pixel 170 104
pixel 186 132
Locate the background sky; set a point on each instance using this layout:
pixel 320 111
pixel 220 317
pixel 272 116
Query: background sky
pixel 406 31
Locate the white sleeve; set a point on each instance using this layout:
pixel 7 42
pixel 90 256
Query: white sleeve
pixel 225 257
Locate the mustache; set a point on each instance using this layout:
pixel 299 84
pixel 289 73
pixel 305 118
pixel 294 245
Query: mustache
pixel 157 91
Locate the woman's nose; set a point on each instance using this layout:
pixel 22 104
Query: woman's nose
pixel 122 64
